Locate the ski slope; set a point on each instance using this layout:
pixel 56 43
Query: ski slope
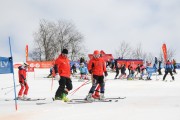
pixel 145 100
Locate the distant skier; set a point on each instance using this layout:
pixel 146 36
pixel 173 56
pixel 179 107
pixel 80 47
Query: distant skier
pixel 51 74
pixel 83 71
pixel 142 69
pixel 23 81
pixel 117 67
pixel 174 65
pixel 82 60
pixel 62 70
pixel 138 70
pixel 160 67
pixel 73 69
pixel 97 68
pixel 123 72
pixel 131 75
pixel 168 69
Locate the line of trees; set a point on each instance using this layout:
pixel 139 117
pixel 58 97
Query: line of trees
pixel 127 52
pixel 52 37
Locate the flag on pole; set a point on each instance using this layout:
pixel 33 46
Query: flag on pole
pixel 164 52
pixel 27 53
pixel 6 65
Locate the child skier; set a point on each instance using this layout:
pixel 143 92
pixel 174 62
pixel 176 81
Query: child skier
pixel 23 82
pixel 97 68
pixel 83 71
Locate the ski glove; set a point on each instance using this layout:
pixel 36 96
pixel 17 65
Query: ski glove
pixel 57 77
pixel 90 71
pixel 105 73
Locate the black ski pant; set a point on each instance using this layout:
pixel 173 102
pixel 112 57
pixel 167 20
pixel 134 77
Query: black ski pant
pixel 97 80
pixel 159 71
pixel 65 85
pixel 166 72
pixel 117 72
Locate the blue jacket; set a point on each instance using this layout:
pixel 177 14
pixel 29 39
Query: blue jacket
pixel 83 70
pixel 169 66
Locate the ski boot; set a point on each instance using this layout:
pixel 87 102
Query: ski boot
pixel 65 98
pixel 89 98
pixel 102 96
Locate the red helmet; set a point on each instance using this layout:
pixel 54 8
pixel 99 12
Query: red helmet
pixel 96 52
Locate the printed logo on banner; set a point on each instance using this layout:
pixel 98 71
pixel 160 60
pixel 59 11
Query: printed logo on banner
pixel 31 65
pixel 6 65
pixel 37 65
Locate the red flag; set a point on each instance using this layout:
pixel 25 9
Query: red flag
pixel 164 52
pixel 26 53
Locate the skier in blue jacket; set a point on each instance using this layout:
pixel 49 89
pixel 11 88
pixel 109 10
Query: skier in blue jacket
pixel 168 69
pixel 83 71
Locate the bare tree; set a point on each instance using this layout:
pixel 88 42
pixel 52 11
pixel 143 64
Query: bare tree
pixel 150 57
pixel 44 39
pixel 52 38
pixel 68 37
pixel 137 52
pixel 170 54
pixel 124 50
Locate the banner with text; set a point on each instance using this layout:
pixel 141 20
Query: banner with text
pixel 6 65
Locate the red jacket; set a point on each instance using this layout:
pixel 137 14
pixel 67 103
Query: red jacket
pixel 22 73
pixel 63 66
pixel 97 66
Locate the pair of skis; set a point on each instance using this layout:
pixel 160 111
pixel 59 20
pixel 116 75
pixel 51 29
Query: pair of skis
pixel 79 101
pixel 28 99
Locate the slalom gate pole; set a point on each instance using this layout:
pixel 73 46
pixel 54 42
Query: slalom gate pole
pixel 85 83
pixel 13 75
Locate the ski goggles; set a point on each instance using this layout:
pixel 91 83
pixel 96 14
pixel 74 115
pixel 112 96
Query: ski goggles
pixel 96 56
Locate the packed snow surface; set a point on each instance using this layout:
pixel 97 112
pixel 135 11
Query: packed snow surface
pixel 145 99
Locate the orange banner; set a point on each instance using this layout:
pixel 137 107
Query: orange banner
pixel 26 52
pixel 164 52
pixel 37 64
pixel 30 69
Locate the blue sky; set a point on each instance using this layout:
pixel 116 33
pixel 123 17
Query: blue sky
pixel 104 23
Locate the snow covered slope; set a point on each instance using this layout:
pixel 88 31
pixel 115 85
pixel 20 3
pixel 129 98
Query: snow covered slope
pixel 145 100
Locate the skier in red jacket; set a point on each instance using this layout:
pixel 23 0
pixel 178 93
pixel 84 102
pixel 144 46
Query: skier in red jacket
pixel 23 82
pixel 63 72
pixel 97 68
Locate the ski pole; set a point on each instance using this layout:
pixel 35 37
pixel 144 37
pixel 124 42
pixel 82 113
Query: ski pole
pixel 86 82
pixel 10 90
pixel 8 87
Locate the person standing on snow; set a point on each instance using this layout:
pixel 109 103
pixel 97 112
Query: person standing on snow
pixel 62 70
pixel 83 71
pixel 123 72
pixel 159 68
pixel 168 69
pixel 23 81
pixel 97 68
pixel 174 65
pixel 117 67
